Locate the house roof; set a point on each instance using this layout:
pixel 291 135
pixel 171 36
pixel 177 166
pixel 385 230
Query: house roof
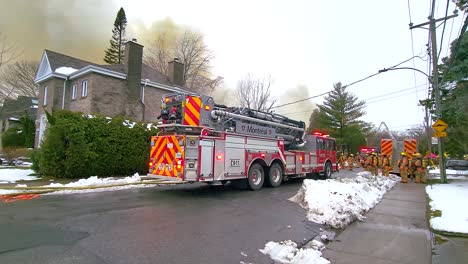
pixel 57 60
pixel 17 107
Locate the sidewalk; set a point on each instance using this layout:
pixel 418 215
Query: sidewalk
pixel 395 231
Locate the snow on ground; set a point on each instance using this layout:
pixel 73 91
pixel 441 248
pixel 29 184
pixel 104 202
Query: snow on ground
pixel 13 175
pixel 451 174
pixel 95 181
pixel 105 189
pixel 338 202
pixel 4 192
pixel 452 200
pixel 287 252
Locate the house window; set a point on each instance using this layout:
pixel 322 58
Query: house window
pixel 74 90
pixel 84 88
pixel 44 99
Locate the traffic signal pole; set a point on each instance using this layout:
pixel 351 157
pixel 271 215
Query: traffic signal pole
pixel 435 83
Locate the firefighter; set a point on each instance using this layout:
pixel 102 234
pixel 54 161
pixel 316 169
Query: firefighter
pixel 375 164
pixel 351 161
pixel 358 160
pixel 412 167
pixel 380 167
pixel 385 165
pixel 342 161
pixel 164 113
pixel 403 164
pixel 368 163
pixel 420 172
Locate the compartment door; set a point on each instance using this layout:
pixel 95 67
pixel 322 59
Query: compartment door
pixel 206 158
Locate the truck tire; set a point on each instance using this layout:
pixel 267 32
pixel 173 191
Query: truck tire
pixel 275 176
pixel 327 170
pixel 256 177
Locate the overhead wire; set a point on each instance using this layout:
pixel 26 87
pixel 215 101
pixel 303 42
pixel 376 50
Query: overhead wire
pixel 399 91
pixel 443 30
pixel 412 43
pixel 347 85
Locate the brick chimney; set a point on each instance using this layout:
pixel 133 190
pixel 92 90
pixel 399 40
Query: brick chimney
pixel 132 62
pixel 176 72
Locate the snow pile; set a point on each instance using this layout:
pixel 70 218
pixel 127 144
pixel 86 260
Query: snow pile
pixel 338 202
pixel 6 192
pixel 65 70
pixel 95 181
pixel 452 200
pixel 287 252
pixel 451 174
pixel 13 175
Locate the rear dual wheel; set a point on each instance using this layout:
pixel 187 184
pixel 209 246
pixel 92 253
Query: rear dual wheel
pixel 275 175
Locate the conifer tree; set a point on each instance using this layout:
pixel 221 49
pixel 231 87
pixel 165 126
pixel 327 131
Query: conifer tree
pixel 115 53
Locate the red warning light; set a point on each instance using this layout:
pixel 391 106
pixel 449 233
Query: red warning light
pixel 219 156
pixel 262 155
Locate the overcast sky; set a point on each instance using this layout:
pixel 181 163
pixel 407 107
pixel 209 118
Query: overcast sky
pixel 315 44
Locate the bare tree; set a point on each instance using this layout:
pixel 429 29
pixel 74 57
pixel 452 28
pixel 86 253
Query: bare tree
pixel 159 54
pixel 19 78
pixel 8 51
pixel 190 48
pixel 255 93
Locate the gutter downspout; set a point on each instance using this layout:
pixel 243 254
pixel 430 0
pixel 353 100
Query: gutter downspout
pixel 142 99
pixel 63 97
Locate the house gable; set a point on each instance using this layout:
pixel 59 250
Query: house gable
pixel 44 68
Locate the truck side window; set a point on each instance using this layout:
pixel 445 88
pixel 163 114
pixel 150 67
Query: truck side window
pixel 320 144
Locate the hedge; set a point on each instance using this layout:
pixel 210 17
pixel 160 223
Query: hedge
pixel 77 146
pixel 21 135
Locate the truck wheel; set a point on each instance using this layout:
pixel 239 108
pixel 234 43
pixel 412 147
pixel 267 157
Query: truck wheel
pixel 327 171
pixel 275 176
pixel 256 177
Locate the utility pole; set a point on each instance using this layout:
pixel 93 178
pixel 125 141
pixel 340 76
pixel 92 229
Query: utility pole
pixel 435 82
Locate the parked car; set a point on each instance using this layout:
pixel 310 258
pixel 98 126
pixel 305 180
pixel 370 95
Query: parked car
pixel 457 165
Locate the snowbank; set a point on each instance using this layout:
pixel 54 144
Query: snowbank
pixel 287 252
pixel 13 175
pixel 451 174
pixel 338 202
pixel 452 200
pixel 95 181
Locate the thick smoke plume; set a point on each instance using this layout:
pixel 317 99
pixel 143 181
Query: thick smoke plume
pixel 79 28
pixel 298 111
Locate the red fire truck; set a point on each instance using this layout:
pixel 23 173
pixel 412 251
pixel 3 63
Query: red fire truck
pixel 200 141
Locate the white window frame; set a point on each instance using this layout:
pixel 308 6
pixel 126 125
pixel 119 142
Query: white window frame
pixel 44 98
pixel 84 88
pixel 74 91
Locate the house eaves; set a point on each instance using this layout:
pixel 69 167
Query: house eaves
pixel 95 69
pixel 49 76
pixel 162 86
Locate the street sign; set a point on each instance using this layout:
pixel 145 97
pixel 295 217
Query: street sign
pixel 435 141
pixel 440 134
pixel 439 125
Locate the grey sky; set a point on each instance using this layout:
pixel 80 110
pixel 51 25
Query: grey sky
pixel 314 44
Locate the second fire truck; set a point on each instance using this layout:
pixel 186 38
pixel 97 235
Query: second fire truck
pixel 200 141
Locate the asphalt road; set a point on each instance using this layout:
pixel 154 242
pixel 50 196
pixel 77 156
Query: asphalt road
pixel 173 224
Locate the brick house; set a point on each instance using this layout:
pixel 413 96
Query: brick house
pixel 131 89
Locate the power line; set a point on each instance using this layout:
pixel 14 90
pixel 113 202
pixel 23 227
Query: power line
pixel 399 91
pixel 345 86
pixel 450 37
pixel 396 96
pixel 443 30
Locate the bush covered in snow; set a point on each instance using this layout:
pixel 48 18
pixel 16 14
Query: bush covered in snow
pixel 77 146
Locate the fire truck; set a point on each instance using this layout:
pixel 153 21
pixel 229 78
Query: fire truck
pixel 200 141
